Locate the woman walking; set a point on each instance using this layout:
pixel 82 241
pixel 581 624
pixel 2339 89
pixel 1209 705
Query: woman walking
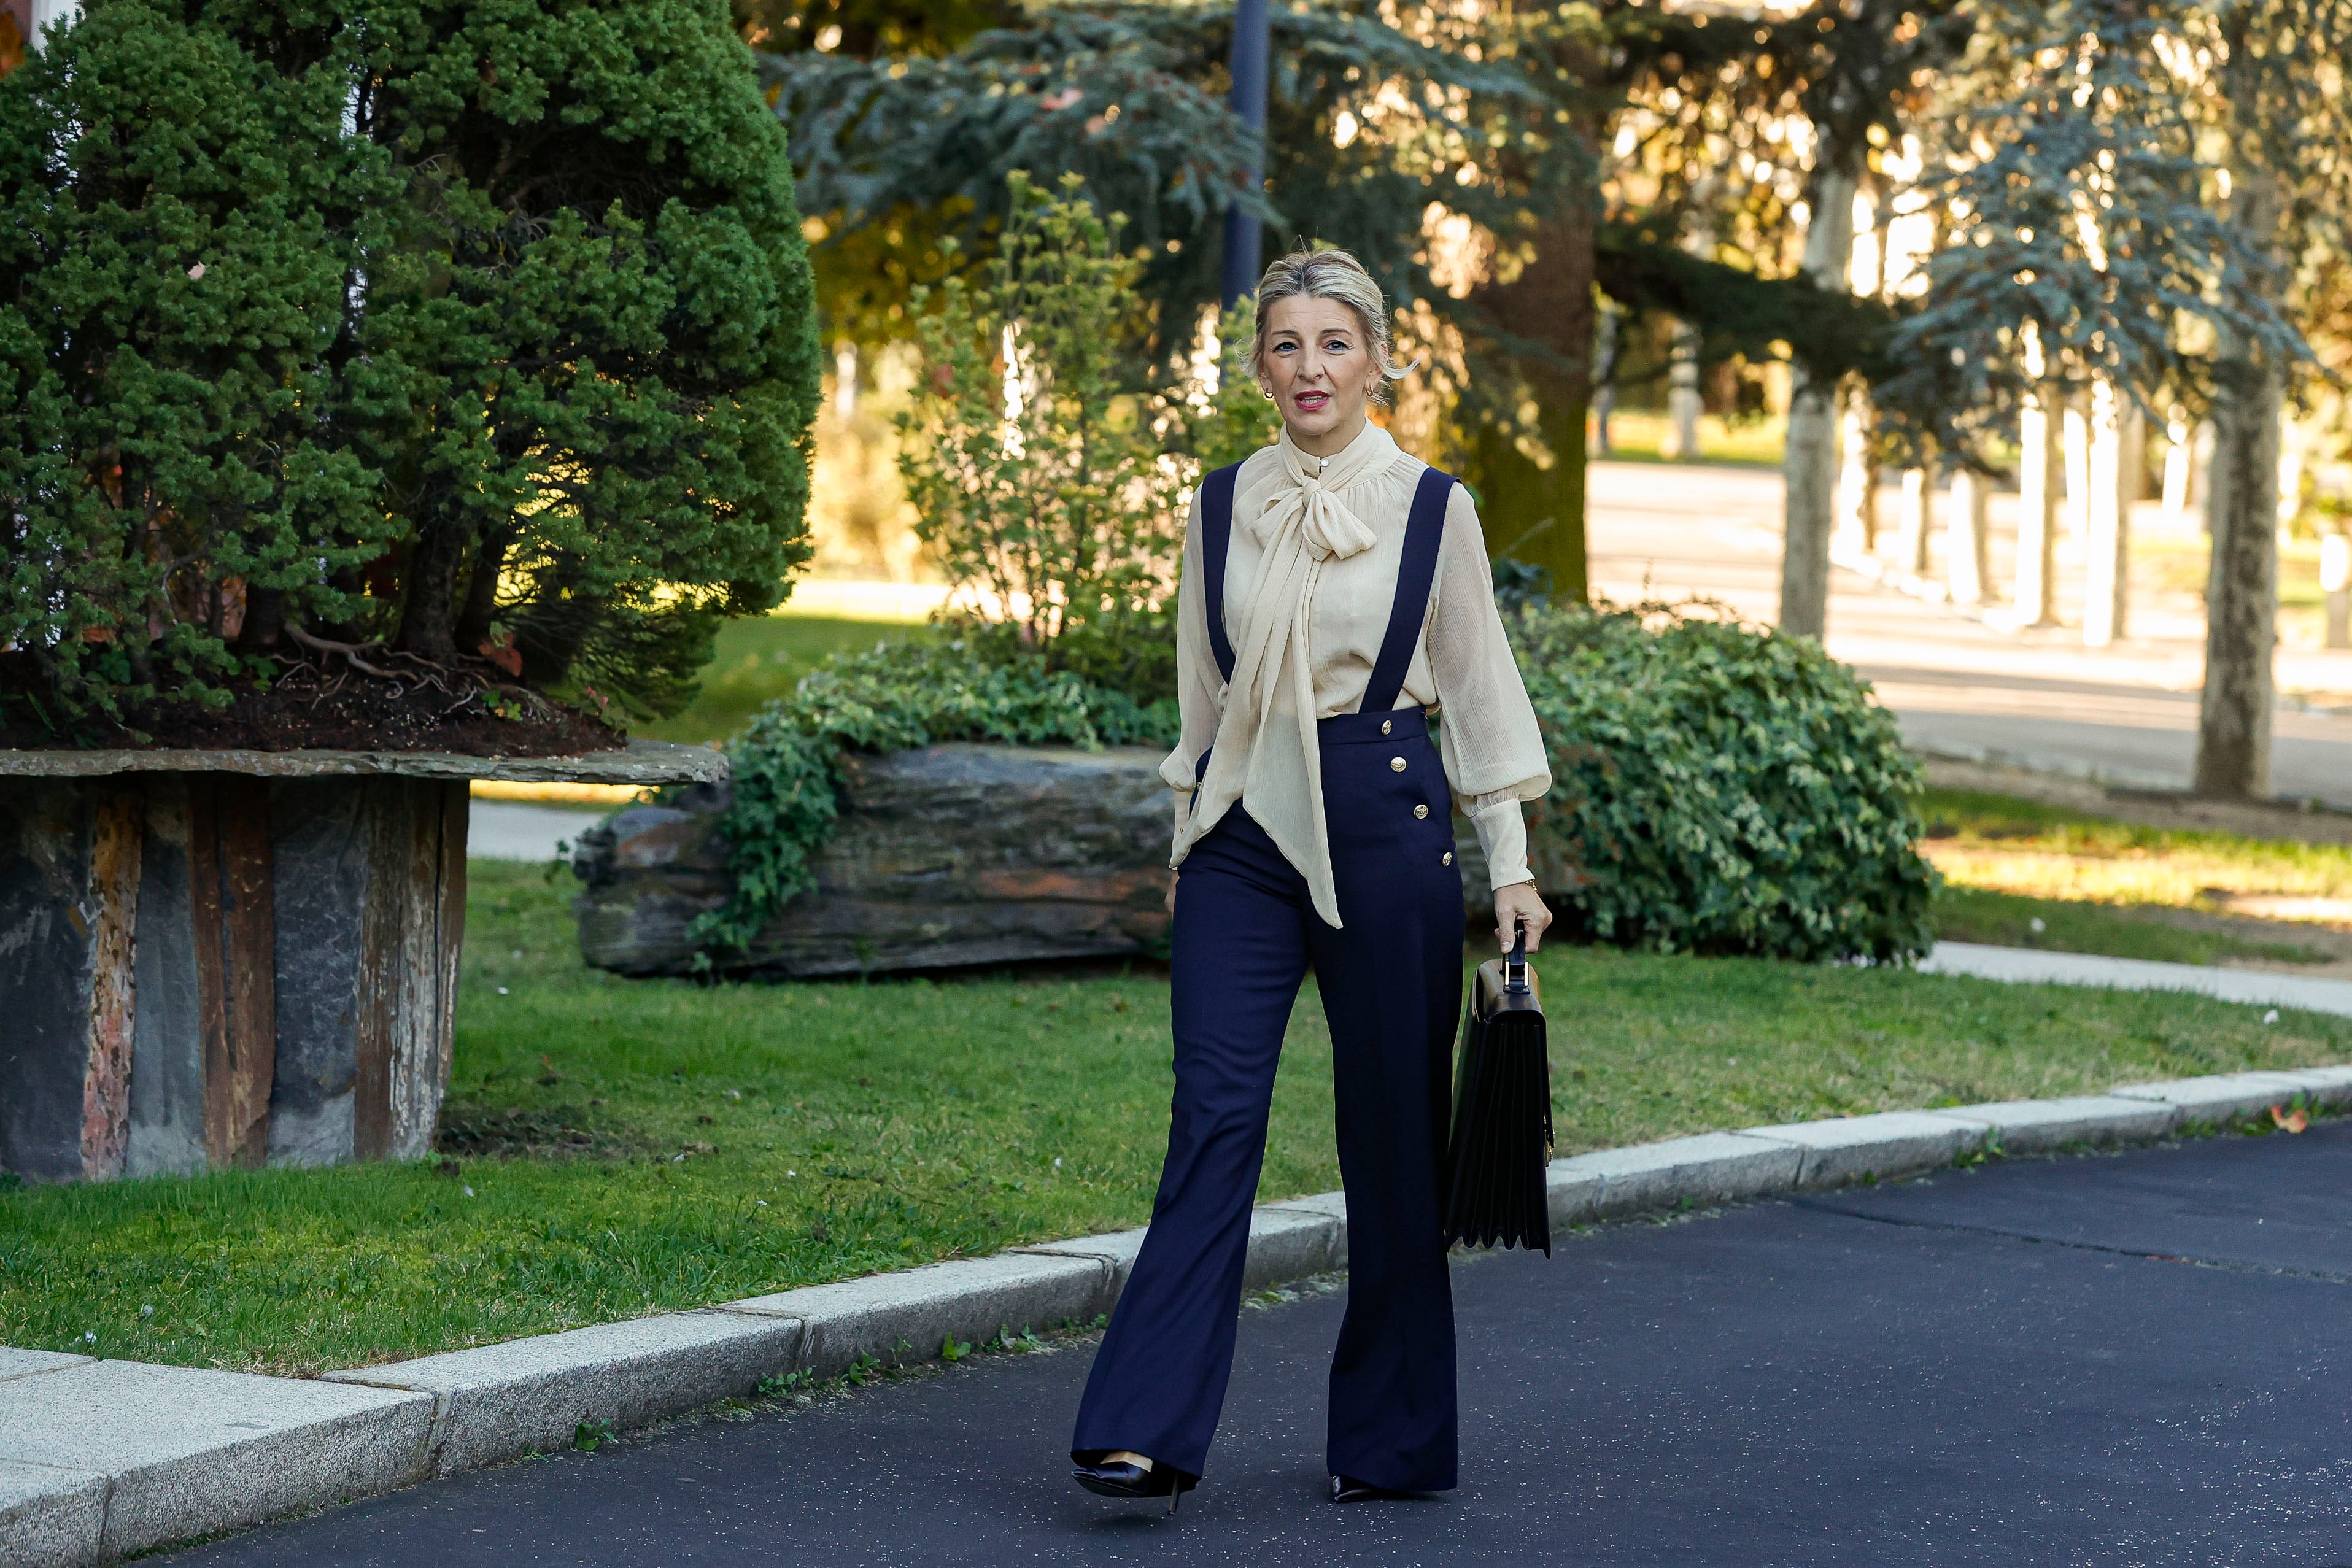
pixel 1336 595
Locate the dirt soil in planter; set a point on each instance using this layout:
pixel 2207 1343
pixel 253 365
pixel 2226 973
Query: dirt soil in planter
pixel 355 713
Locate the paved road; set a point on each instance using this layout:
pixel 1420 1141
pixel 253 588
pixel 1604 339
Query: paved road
pixel 2135 1359
pixel 517 831
pixel 2126 715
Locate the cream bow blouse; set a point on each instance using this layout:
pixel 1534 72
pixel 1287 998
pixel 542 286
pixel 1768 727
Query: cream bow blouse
pixel 1310 575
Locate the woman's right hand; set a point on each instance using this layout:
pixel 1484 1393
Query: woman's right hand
pixel 1171 889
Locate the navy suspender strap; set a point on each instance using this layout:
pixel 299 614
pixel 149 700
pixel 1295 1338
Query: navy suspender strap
pixel 1416 575
pixel 1216 538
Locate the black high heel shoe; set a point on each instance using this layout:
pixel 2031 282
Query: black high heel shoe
pixel 1347 1489
pixel 1125 1479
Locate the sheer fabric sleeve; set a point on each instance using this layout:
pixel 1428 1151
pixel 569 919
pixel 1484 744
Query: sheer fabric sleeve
pixel 1487 727
pixel 1197 677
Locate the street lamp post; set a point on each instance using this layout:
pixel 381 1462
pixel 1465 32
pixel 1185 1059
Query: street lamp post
pixel 1245 238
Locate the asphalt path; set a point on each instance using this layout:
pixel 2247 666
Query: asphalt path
pixel 2123 1359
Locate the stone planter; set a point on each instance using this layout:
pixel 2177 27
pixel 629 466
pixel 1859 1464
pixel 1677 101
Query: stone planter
pixel 222 958
pixel 949 856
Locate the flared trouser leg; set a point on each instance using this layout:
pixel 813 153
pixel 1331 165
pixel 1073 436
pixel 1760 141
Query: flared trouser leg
pixel 1238 953
pixel 1390 983
pixel 1244 934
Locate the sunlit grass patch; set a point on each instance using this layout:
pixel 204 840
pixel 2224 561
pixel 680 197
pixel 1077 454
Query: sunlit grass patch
pixel 2003 845
pixel 2152 932
pixel 764 657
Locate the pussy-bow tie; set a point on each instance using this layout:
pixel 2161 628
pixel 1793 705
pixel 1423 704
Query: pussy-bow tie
pixel 1325 523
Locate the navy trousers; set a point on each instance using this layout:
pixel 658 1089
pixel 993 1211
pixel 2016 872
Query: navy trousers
pixel 1245 934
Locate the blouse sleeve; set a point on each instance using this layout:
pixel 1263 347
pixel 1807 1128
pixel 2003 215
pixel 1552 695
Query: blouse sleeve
pixel 1494 752
pixel 1197 677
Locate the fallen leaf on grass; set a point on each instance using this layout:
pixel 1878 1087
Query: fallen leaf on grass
pixel 2293 1121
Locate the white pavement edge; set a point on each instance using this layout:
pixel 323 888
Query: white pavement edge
pixel 102 1458
pixel 2032 965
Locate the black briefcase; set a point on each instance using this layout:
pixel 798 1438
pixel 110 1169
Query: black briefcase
pixel 1495 1190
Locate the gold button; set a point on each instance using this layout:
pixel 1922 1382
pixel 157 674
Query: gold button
pixel 1448 859
pixel 1420 810
pixel 1385 727
pixel 1396 764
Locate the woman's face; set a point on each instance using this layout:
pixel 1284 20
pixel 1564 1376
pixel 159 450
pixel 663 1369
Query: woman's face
pixel 1317 363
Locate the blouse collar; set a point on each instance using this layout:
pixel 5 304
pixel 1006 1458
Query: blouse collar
pixel 1372 450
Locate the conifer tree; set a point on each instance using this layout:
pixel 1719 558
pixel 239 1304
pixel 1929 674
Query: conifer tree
pixel 479 332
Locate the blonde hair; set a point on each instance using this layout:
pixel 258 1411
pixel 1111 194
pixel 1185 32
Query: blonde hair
pixel 1330 275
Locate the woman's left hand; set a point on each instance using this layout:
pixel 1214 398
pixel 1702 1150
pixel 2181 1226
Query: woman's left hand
pixel 1516 904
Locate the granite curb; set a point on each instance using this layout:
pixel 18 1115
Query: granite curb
pixel 83 1482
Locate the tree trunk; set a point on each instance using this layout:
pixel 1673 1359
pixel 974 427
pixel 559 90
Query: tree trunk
pixel 1534 513
pixel 1534 510
pixel 1685 399
pixel 2179 452
pixel 265 620
pixel 2041 463
pixel 1810 465
pixel 1684 402
pixel 1866 505
pixel 1604 390
pixel 1964 538
pixel 2336 583
pixel 1911 542
pixel 2114 465
pixel 428 609
pixel 1857 507
pixel 2233 723
pixel 482 592
pixel 2075 442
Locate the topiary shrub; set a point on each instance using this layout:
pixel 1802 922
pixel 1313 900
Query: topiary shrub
pixel 465 342
pixel 1719 790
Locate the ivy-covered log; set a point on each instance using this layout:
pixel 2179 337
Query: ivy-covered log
pixel 941 856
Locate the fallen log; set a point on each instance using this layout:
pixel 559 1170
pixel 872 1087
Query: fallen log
pixel 942 858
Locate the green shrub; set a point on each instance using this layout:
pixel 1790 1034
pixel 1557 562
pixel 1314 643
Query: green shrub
pixel 1050 476
pixel 481 330
pixel 1046 461
pixel 1716 789
pixel 1719 790
pixel 1030 455
pixel 895 697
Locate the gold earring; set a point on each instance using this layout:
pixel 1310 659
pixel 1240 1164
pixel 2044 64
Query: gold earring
pixel 1266 394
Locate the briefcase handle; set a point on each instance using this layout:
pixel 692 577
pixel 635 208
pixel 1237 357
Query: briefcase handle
pixel 1515 967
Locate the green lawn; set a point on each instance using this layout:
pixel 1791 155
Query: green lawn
pixel 1971 819
pixel 2009 920
pixel 2100 885
pixel 621 1146
pixel 764 657
pixel 1639 436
